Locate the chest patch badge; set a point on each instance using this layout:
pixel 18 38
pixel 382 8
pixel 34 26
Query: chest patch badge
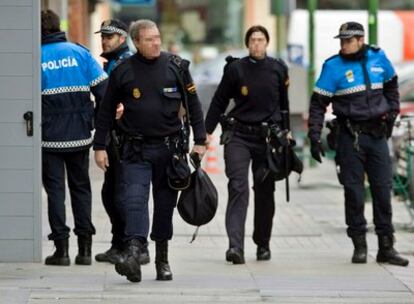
pixel 244 91
pixel 136 93
pixel 350 76
pixel 377 69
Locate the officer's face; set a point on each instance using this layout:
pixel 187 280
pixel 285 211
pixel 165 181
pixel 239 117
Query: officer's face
pixel 149 43
pixel 111 41
pixel 351 45
pixel 257 45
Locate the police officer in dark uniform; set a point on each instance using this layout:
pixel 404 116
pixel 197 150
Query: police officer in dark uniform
pixel 115 49
pixel 362 86
pixel 151 85
pixel 258 85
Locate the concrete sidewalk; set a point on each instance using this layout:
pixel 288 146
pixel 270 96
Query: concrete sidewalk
pixel 310 259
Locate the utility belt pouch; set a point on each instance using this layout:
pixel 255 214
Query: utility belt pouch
pixel 132 148
pixel 116 145
pixel 227 127
pixel 333 135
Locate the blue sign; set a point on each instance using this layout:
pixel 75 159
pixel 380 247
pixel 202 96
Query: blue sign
pixel 136 2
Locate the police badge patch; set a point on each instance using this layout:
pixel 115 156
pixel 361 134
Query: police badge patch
pixel 350 76
pixel 244 91
pixel 136 93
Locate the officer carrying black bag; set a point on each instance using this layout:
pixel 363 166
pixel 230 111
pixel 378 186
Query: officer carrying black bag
pixel 197 204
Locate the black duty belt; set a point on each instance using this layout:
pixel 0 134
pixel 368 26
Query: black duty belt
pixel 249 129
pixel 149 139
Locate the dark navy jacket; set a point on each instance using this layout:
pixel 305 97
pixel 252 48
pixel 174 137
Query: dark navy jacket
pixel 363 89
pixel 115 57
pixel 69 74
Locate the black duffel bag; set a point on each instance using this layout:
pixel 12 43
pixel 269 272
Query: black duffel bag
pixel 197 204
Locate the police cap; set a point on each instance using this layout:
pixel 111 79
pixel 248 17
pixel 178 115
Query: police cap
pixel 350 29
pixel 113 26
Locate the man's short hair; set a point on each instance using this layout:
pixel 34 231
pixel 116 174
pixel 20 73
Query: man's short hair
pixel 139 25
pixel 50 22
pixel 253 29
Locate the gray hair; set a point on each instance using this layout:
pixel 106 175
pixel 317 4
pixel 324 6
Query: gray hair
pixel 139 25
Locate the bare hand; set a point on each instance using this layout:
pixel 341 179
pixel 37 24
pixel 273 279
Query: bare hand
pixel 200 150
pixel 119 111
pixel 101 159
pixel 210 139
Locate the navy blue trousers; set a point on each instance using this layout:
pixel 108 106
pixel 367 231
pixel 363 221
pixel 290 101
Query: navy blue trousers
pixel 53 175
pixel 136 175
pixel 109 199
pixel 372 158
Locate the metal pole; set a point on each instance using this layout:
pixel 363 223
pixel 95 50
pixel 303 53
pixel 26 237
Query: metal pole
pixel 373 22
pixel 280 27
pixel 311 70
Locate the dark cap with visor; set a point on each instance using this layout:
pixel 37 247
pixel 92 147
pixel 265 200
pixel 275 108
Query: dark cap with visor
pixel 350 29
pixel 113 26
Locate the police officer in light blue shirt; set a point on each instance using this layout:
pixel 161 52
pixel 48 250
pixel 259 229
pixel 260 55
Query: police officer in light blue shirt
pixel 362 86
pixel 69 75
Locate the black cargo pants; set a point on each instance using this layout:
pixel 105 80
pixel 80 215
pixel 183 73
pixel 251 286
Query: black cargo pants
pixel 242 149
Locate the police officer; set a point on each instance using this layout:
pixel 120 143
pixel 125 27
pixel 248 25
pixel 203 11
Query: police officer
pixel 362 86
pixel 69 74
pixel 115 49
pixel 258 85
pixel 151 92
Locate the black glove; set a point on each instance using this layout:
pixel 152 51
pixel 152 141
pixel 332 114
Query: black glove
pixel 389 121
pixel 317 151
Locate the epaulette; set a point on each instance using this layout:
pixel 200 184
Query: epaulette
pixel 82 46
pixel 229 60
pixel 181 63
pixel 332 57
pixel 375 48
pixel 281 62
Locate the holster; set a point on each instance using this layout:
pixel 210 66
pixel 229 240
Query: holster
pixel 333 135
pixel 115 144
pixel 227 127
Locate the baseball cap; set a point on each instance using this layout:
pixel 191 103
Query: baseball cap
pixel 350 29
pixel 113 26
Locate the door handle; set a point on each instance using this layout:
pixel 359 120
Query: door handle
pixel 28 117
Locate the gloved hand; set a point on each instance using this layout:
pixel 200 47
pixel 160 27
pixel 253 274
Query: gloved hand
pixel 317 150
pixel 389 121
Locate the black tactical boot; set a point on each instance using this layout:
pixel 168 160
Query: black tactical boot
pixel 144 257
pixel 129 265
pixel 263 253
pixel 235 255
pixel 387 253
pixel 61 255
pixel 360 249
pixel 112 255
pixel 161 261
pixel 84 250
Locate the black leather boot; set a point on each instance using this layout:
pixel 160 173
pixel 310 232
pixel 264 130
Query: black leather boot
pixel 112 255
pixel 129 265
pixel 263 253
pixel 161 261
pixel 61 255
pixel 387 253
pixel 84 250
pixel 144 257
pixel 360 249
pixel 235 255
